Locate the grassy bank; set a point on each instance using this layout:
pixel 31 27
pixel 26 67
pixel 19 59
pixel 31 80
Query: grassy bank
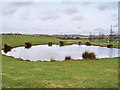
pixel 61 74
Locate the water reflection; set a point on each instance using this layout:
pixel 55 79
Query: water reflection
pixel 45 52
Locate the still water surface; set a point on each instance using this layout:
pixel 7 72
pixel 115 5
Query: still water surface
pixel 45 52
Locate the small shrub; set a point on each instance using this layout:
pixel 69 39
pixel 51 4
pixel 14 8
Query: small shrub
pixel 28 60
pixel 28 45
pixel 7 48
pixel 49 43
pixel 88 55
pixel 61 43
pixel 21 60
pixel 68 58
pixel 39 60
pixel 110 46
pixel 88 43
pixel 79 43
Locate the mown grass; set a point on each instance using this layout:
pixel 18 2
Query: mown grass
pixel 59 74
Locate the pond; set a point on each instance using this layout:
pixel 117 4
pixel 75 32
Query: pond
pixel 46 53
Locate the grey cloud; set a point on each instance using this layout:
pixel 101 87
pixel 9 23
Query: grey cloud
pixel 8 10
pixel 50 17
pixel 99 29
pixel 87 3
pixel 77 17
pixel 107 6
pixel 70 10
pixel 103 6
pixel 18 4
pixel 79 27
pixel 12 7
pixel 24 16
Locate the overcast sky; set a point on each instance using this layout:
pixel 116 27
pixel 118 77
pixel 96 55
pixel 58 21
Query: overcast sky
pixel 59 17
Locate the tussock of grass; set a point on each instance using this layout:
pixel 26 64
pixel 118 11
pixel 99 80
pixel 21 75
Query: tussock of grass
pixel 89 55
pixel 49 43
pixel 28 44
pixel 88 43
pixel 7 48
pixel 68 58
pixel 79 43
pixel 62 43
pixel 110 46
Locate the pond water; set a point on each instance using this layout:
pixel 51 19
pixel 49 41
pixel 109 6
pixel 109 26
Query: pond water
pixel 46 53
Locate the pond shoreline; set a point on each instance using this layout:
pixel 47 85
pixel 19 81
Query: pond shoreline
pixel 98 59
pixel 65 45
pixel 74 55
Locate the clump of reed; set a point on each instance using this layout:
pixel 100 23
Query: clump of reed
pixel 79 43
pixel 88 44
pixel 68 58
pixel 28 44
pixel 110 46
pixel 61 43
pixel 7 48
pixel 49 43
pixel 89 55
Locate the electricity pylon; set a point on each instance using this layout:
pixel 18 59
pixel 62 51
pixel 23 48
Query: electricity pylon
pixel 111 34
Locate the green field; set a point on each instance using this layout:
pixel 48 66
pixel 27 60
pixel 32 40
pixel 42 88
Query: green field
pixel 59 74
pixel 19 40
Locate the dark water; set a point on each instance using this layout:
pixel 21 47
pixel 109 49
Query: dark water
pixel 45 52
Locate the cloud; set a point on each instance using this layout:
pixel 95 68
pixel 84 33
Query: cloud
pixel 87 3
pixel 79 27
pixel 12 7
pixel 24 15
pixel 71 9
pixel 77 17
pixel 99 29
pixel 9 10
pixel 103 6
pixel 18 4
pixel 57 18
pixel 107 6
pixel 50 16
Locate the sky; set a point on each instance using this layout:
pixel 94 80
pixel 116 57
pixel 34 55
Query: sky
pixel 59 17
